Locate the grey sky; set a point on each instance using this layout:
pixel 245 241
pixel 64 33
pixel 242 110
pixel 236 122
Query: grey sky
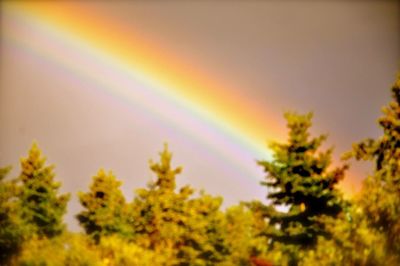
pixel 336 58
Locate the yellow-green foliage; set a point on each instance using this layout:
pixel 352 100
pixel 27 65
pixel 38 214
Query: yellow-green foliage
pixel 115 251
pixel 380 196
pixel 41 207
pixel 77 250
pixel 300 177
pixel 64 250
pixel 353 243
pixel 105 210
pixel 163 218
pixel 169 226
pixel 12 229
pixel 240 231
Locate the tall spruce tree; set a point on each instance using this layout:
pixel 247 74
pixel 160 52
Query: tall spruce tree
pixel 105 210
pixel 41 206
pixel 298 178
pixel 380 194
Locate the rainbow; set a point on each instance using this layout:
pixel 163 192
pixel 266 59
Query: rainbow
pixel 134 71
pixel 144 76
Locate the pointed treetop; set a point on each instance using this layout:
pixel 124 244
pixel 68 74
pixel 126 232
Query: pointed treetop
pixel 105 186
pixel 379 196
pixel 42 206
pixel 104 206
pixel 298 125
pixel 390 122
pixel 299 177
pixel 35 152
pixel 385 147
pixel 165 172
pixel 33 166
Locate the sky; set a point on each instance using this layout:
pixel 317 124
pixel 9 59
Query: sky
pixel 101 84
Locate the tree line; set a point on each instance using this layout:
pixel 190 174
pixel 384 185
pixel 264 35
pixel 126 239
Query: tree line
pixel 306 221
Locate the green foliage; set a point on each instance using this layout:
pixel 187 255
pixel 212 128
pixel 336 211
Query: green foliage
pixel 170 225
pixel 115 251
pixel 241 233
pixel 163 218
pixel 204 240
pixel 62 250
pixel 105 207
pixel 41 207
pixel 353 242
pixel 380 195
pixel 298 177
pixel 77 250
pixel 11 227
pixel 4 172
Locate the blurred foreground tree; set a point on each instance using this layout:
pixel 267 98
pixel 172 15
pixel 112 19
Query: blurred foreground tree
pixel 380 194
pixel 40 205
pixel 298 178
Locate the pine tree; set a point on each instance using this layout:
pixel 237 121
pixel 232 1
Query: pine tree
pixel 41 207
pixel 105 207
pixel 298 178
pixel 380 195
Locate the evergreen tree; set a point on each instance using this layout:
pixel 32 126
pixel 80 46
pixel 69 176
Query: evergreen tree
pixel 298 178
pixel 380 195
pixel 11 227
pixel 175 221
pixel 105 207
pixel 159 206
pixel 241 229
pixel 353 242
pixel 40 205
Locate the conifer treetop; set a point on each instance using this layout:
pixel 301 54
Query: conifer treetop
pixel 380 194
pixel 299 177
pixel 165 173
pixel 105 208
pixel 41 206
